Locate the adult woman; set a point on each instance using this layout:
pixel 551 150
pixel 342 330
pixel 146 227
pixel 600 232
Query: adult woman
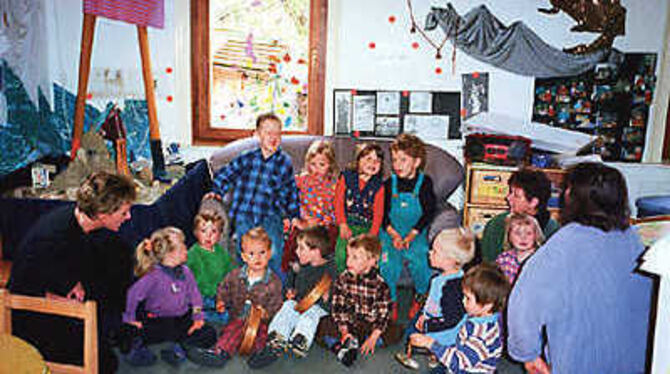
pixel 75 253
pixel 581 286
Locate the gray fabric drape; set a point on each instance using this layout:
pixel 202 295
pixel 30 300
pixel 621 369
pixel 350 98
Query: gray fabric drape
pixel 515 48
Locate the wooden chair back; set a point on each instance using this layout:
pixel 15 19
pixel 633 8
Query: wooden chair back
pixel 72 309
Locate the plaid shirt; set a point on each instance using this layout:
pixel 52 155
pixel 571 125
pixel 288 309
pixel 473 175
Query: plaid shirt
pixel 235 291
pixel 261 187
pixel 508 262
pixel 364 297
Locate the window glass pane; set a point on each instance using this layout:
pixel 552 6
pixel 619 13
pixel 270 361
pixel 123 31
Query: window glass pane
pixel 259 62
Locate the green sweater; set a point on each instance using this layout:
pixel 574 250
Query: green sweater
pixel 209 267
pixel 494 235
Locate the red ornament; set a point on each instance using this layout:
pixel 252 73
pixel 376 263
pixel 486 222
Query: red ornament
pixel 222 117
pixel 475 75
pixel 438 70
pixel 357 134
pixel 169 98
pixel 89 96
pixel 372 45
pixel 392 19
pixel 168 70
pixel 354 92
pixel 464 112
pixel 405 93
pixel 287 58
pixel 302 61
pixel 295 80
pixel 415 45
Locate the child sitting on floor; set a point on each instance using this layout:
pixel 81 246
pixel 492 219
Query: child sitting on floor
pixel 252 285
pixel 443 313
pixel 359 199
pixel 479 343
pixel 208 261
pixel 361 301
pixel 409 206
pixel 523 237
pixel 316 185
pixel 164 304
pixel 291 329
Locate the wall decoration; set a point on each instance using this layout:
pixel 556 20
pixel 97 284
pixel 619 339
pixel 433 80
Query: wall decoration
pixel 612 101
pixel 475 94
pixel 429 114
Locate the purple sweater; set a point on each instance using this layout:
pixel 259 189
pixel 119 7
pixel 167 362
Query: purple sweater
pixel 165 295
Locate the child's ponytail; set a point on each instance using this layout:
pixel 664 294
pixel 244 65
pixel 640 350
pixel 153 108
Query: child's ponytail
pixel 152 250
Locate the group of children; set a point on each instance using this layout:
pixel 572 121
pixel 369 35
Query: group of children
pixel 353 229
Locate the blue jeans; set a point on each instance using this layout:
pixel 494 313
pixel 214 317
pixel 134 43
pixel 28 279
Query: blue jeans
pixel 275 228
pixel 211 315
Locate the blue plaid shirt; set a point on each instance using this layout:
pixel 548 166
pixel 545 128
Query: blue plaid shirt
pixel 261 187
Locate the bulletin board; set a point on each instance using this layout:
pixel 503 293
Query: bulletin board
pixel 385 113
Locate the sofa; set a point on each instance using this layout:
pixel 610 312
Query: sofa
pixel 445 171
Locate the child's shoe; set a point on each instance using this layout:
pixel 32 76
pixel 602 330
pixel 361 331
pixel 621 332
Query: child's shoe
pixel 175 355
pixel 139 354
pixel 274 348
pixel 208 357
pixel 347 352
pixel 299 346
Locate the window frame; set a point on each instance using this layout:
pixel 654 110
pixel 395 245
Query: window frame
pixel 202 131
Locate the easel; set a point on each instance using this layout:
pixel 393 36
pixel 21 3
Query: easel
pixel 84 72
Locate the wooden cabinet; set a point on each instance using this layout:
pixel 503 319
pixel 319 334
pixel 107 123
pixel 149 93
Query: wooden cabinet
pixel 486 190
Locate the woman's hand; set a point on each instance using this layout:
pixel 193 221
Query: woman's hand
pixel 345 231
pixel 212 195
pixel 537 366
pixel 197 325
pixel 368 347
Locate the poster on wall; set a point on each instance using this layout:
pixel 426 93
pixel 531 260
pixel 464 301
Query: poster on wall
pixel 388 103
pixel 420 102
pixel 364 113
pixel 427 127
pixel 387 126
pixel 475 94
pixel 342 112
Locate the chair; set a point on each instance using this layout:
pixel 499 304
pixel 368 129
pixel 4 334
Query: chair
pixel 84 311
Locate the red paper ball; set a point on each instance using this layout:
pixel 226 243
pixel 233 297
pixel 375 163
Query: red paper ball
pixel 392 19
pixel 438 70
pixel 372 45
pixel 168 70
pixel 415 45
pixel 169 98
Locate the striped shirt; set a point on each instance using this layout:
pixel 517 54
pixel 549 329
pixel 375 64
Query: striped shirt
pixel 361 297
pixel 137 12
pixel 261 187
pixel 478 347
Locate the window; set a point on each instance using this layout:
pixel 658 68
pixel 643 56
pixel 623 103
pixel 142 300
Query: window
pixel 242 67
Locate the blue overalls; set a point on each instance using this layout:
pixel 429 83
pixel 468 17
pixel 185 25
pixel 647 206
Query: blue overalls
pixel 405 212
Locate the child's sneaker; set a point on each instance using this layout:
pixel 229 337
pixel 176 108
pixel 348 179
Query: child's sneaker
pixel 276 345
pixel 139 354
pixel 299 346
pixel 208 357
pixel 347 352
pixel 175 355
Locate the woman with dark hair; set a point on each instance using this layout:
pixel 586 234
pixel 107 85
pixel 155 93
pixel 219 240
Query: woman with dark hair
pixel 581 288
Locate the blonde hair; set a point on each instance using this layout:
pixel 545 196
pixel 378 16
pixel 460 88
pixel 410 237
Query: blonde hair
pixel 514 219
pixel 457 243
pixel 152 250
pixel 257 234
pixel 325 148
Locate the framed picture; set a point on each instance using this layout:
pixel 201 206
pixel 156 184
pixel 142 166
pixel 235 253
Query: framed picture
pixel 427 126
pixel 342 121
pixel 363 115
pixel 388 103
pixel 387 127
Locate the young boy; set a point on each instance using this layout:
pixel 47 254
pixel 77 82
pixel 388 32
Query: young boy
pixel 443 313
pixel 479 344
pixel 250 285
pixel 409 206
pixel 208 261
pixel 264 190
pixel 289 329
pixel 361 303
pixel 529 192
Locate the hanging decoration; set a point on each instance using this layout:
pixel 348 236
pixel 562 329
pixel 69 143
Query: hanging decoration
pixel 415 28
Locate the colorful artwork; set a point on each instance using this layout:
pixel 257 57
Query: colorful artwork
pixel 259 62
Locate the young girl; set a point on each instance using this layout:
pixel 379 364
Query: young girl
pixel 359 199
pixel 523 237
pixel 208 261
pixel 316 185
pixel 164 304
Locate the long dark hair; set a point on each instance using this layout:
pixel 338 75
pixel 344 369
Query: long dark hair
pixel 596 195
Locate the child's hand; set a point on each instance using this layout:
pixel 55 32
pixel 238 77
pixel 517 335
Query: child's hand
pixel 77 292
pixel 368 347
pixel 290 294
pixel 537 366
pixel 419 322
pixel 420 340
pixel 220 306
pixel 287 225
pixel 137 324
pixel 395 237
pixel 197 325
pixel 212 195
pixel 345 231
pixel 410 238
pixel 344 333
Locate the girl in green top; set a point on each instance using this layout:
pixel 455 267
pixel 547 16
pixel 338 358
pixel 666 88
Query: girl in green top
pixel 209 261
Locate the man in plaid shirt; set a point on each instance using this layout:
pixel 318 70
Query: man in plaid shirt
pixel 361 302
pixel 264 190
